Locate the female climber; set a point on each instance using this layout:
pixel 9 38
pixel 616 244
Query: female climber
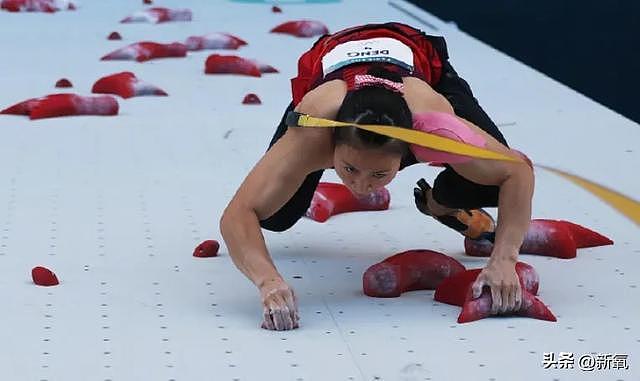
pixel 384 74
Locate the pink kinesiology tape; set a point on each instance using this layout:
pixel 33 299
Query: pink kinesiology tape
pixel 448 126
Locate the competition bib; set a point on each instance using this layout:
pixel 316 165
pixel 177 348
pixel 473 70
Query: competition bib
pixel 381 49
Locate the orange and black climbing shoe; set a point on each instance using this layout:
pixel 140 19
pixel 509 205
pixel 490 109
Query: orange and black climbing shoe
pixel 472 223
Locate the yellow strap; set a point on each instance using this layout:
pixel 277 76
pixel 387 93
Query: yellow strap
pixel 623 204
pixel 420 138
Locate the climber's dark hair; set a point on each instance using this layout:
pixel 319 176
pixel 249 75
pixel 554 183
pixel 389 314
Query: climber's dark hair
pixel 374 105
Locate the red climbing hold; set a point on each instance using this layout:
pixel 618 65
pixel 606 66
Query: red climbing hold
pixel 56 105
pixel 550 238
pixel 44 277
pixel 48 6
pixel 146 50
pixel 114 36
pixel 457 290
pixel 126 85
pixel 409 271
pixel 159 15
pixel 276 9
pixel 302 28
pixel 214 41
pixel 207 249
pixel 147 2
pixel 251 99
pixel 63 83
pixel 330 199
pixel 264 68
pixel 219 64
pixel 582 236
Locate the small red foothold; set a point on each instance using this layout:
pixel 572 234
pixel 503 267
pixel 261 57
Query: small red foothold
pixel 147 50
pixel 56 105
pixel 147 2
pixel 251 99
pixel 276 9
pixel 44 277
pixel 64 83
pixel 206 249
pixel 552 238
pixel 302 28
pixel 225 64
pixel 330 199
pixel 114 36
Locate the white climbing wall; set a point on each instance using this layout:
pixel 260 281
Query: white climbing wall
pixel 115 206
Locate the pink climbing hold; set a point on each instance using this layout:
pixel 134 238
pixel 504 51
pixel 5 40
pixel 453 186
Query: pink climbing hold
pixel 44 277
pixel 207 249
pixel 301 28
pixel 330 199
pixel 64 83
pixel 57 105
pixel 48 6
pixel 251 99
pixel 276 9
pixel 409 271
pixel 219 64
pixel 550 238
pixel 214 41
pixel 126 85
pixel 159 15
pixel 457 290
pixel 146 50
pixel 114 36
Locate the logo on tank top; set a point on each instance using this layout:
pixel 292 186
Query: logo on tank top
pixel 382 49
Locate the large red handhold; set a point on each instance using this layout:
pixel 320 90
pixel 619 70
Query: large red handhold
pixel 48 6
pixel 251 99
pixel 126 85
pixel 457 290
pixel 207 249
pixel 63 83
pixel 219 64
pixel 114 36
pixel 214 41
pixel 159 15
pixel 409 271
pixel 330 199
pixel 457 295
pixel 56 105
pixel 550 238
pixel 302 28
pixel 44 277
pixel 147 50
